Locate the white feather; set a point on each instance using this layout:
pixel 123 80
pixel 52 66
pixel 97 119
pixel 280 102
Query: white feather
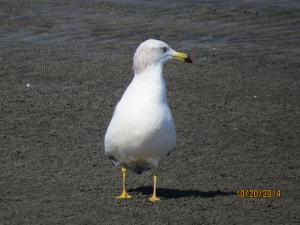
pixel 142 132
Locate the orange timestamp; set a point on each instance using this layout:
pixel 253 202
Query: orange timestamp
pixel 258 193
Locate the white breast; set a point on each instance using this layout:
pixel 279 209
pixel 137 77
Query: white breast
pixel 141 132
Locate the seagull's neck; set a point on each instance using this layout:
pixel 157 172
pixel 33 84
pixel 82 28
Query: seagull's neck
pixel 150 82
pixel 154 71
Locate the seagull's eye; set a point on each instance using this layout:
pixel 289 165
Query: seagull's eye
pixel 164 49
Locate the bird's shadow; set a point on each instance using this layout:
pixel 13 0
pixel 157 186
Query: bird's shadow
pixel 173 193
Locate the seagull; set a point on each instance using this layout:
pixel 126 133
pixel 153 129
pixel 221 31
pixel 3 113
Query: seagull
pixel 141 133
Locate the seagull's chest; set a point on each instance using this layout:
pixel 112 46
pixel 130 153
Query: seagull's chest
pixel 138 124
pixel 142 118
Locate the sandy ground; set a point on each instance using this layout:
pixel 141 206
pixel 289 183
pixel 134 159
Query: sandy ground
pixel 65 64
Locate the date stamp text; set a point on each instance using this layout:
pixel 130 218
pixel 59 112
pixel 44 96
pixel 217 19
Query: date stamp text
pixel 257 193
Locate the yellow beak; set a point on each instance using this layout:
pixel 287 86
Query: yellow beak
pixel 182 57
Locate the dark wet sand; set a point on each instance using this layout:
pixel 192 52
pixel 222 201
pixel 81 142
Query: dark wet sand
pixel 236 111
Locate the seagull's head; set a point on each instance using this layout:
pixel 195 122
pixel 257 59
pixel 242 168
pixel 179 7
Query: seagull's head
pixel 155 53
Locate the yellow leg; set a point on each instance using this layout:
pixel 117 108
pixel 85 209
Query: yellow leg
pixel 124 193
pixel 154 198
